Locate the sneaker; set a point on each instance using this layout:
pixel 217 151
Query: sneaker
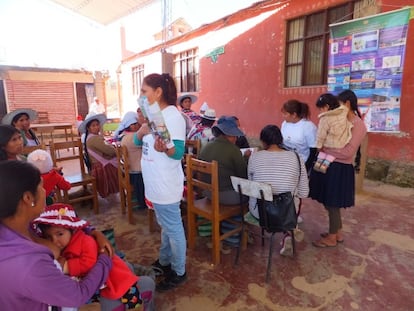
pixel 171 281
pixel 287 248
pixel 157 267
pixel 300 219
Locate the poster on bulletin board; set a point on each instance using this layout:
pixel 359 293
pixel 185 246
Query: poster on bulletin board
pixel 366 55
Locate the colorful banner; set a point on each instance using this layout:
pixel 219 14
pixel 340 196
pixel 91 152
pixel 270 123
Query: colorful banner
pixel 367 55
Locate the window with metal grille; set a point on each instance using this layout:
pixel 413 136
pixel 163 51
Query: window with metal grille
pixel 186 71
pixel 137 77
pixel 307 43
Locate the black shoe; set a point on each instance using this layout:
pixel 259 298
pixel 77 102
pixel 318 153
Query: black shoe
pixel 157 267
pixel 171 281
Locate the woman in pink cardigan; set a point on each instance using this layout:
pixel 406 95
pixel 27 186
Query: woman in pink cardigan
pixel 335 189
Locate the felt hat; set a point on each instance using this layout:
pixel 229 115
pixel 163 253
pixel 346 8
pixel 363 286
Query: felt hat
pixel 228 126
pixel 61 215
pixel 100 117
pixel 209 114
pixel 8 118
pixel 187 95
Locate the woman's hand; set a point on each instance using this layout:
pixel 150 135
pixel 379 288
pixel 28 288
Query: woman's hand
pixel 103 243
pixel 160 145
pixel 143 130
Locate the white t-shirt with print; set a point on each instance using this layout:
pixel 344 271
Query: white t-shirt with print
pixel 299 136
pixel 163 176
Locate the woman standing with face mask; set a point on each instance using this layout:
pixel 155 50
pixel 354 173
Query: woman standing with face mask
pixel 164 178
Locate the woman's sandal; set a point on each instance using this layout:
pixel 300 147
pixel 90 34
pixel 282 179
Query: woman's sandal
pixel 325 234
pixel 322 243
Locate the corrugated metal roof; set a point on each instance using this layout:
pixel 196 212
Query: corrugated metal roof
pixel 103 11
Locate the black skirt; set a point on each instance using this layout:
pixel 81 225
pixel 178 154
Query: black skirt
pixel 336 188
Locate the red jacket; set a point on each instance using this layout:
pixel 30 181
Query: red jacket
pixel 54 179
pixel 81 255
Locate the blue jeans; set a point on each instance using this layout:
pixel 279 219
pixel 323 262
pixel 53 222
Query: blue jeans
pixel 173 243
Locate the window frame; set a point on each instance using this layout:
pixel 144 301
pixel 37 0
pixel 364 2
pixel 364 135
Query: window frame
pixel 302 76
pixel 137 78
pixel 186 70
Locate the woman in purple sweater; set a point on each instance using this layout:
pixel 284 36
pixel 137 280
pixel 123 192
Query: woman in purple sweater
pixel 30 277
pixel 335 189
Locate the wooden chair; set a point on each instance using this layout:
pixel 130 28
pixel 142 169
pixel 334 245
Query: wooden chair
pixel 125 187
pixel 198 172
pixel 262 192
pixel 193 147
pixel 28 149
pixel 59 153
pixel 45 134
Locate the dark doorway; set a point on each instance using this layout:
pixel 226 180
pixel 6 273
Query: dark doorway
pixel 82 99
pixel 3 106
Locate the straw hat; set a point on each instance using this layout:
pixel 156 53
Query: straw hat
pixel 101 118
pixel 187 95
pixel 209 114
pixel 61 215
pixel 8 118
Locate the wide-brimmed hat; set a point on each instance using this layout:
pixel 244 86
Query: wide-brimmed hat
pixel 129 118
pixel 89 117
pixel 61 215
pixel 228 126
pixel 185 95
pixel 8 118
pixel 209 114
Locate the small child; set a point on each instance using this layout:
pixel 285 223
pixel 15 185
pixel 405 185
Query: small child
pixel 79 253
pixel 130 124
pixel 334 129
pixel 52 178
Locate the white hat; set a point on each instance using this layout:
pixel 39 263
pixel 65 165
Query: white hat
pixel 209 114
pixel 129 118
pixel 101 118
pixel 187 95
pixel 41 159
pixel 8 118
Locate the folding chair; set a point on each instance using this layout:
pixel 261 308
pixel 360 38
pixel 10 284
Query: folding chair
pixel 262 192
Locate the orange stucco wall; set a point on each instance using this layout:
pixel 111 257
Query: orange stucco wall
pixel 247 81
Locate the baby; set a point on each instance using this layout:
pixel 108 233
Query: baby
pixel 52 178
pixel 79 253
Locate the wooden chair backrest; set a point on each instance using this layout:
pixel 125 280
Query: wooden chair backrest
pixel 59 153
pixel 203 175
pixel 193 147
pixel 123 165
pixel 28 149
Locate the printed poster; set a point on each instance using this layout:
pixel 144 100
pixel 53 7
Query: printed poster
pixel 367 55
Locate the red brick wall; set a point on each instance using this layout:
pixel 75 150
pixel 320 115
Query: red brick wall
pixel 56 98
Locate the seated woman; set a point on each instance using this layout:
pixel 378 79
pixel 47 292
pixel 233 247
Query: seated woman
pixel 33 280
pixel 11 143
pixel 279 168
pixel 101 156
pixel 223 149
pixel 20 119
